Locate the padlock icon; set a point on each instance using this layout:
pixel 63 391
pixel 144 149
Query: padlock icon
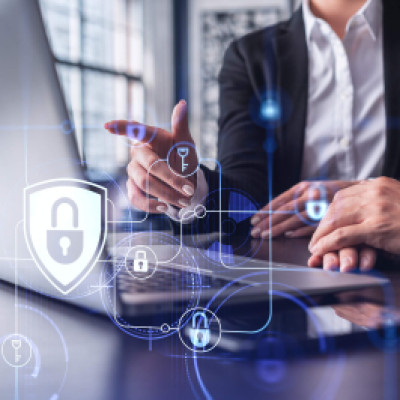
pixel 316 209
pixel 140 262
pixel 136 132
pixel 200 331
pixel 64 246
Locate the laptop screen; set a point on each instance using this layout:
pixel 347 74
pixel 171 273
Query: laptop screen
pixel 37 139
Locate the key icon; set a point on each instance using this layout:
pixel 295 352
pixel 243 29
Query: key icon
pixel 16 344
pixel 183 152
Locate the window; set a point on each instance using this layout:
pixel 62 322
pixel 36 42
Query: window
pixel 214 25
pixel 98 47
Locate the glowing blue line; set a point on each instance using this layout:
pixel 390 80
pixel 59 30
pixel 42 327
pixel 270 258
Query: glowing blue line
pixel 203 357
pixel 253 212
pixel 390 366
pixel 296 301
pixel 53 324
pixel 16 394
pixel 226 299
pixel 28 128
pixel 290 297
pixel 199 379
pixel 191 384
pixel 322 341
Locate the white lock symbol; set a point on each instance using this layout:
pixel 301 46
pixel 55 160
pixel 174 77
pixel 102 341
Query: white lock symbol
pixel 141 263
pixel 316 209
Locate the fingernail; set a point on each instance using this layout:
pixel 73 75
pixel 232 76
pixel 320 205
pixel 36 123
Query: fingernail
pixel 331 263
pixel 365 263
pixel 161 209
pixel 331 267
pixel 313 249
pixel 289 234
pixel 184 203
pixel 255 220
pixel 346 264
pixel 266 235
pixel 255 233
pixel 189 190
pixel 183 102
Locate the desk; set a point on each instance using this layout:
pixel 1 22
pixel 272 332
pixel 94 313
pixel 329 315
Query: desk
pixel 104 364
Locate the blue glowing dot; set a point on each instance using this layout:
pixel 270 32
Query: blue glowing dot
pixel 67 127
pixel 270 110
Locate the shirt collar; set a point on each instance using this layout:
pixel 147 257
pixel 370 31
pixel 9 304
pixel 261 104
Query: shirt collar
pixel 309 19
pixel 370 13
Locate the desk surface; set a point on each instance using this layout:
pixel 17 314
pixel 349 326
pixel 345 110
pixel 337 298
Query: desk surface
pixel 85 356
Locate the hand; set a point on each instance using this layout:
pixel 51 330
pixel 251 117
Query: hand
pixel 346 260
pixel 365 214
pixel 148 175
pixel 370 315
pixel 284 208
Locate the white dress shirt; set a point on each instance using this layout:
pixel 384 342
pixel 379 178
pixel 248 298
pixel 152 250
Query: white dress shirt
pixel 345 134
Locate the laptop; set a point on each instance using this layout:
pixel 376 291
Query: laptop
pixel 36 147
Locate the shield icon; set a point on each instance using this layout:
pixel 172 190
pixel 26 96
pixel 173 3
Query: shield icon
pixel 65 229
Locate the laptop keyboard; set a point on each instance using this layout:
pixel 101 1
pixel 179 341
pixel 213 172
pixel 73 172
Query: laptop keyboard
pixel 168 280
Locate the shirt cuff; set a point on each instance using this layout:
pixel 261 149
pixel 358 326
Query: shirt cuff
pixel 196 207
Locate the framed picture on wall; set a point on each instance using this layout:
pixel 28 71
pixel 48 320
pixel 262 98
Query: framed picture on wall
pixel 214 24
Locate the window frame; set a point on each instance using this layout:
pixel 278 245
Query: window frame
pixel 79 66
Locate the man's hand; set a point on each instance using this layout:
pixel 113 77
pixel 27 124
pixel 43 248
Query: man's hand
pixel 286 207
pixel 365 214
pixel 346 260
pixel 369 315
pixel 148 175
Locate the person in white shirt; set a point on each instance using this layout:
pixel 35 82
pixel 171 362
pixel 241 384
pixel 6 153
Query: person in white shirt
pixel 338 125
pixel 346 109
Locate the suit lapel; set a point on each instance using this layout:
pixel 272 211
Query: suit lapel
pixel 391 40
pixel 292 81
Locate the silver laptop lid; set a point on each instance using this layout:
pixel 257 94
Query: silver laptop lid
pixel 37 142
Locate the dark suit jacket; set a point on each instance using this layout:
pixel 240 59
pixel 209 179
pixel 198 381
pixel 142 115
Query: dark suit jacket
pixel 264 160
pixel 275 59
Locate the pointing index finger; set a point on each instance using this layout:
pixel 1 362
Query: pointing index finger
pixel 132 130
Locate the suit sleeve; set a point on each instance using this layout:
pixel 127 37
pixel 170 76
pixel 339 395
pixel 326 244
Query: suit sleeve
pixel 241 153
pixel 241 141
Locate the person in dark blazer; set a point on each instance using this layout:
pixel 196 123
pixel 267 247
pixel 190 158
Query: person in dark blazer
pixel 312 99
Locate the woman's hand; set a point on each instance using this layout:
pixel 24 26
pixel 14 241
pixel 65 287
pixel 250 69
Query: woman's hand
pixel 285 210
pixel 152 183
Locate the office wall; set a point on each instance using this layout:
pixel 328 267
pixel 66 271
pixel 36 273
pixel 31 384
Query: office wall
pixel 213 25
pixel 158 71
